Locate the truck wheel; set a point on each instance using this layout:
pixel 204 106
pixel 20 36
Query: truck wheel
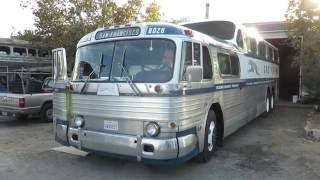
pixel 210 139
pixel 46 113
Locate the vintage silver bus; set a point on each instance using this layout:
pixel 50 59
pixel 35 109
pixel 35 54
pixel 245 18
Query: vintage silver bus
pixel 159 92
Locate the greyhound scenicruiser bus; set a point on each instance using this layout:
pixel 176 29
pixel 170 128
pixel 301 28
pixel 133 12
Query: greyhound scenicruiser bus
pixel 162 93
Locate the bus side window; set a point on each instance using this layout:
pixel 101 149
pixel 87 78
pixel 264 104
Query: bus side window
pixel 207 65
pixel 234 65
pixel 224 64
pixel 196 54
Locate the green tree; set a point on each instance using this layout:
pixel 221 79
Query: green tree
pixel 303 18
pixel 29 35
pixel 61 23
pixel 152 13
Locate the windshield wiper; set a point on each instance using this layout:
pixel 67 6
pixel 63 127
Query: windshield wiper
pixel 89 76
pixel 124 69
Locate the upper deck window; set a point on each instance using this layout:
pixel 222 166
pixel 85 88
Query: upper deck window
pixel 19 51
pixel 141 60
pixel 253 46
pixel 4 50
pixel 221 29
pixel 262 50
pixel 240 39
pixel 270 54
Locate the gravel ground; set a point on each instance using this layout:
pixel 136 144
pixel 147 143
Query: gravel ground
pixel 267 148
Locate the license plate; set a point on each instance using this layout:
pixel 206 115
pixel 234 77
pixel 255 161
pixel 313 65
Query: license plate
pixel 4 113
pixel 110 125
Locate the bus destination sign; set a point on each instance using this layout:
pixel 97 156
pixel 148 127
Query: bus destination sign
pixel 122 32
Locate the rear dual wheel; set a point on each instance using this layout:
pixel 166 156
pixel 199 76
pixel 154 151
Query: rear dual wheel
pixel 272 102
pixel 269 103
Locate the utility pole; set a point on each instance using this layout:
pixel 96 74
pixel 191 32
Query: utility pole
pixel 207 10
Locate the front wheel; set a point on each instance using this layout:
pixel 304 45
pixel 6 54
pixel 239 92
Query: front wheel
pixel 210 139
pixel 46 113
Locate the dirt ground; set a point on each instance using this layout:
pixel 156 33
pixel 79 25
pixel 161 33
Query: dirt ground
pixel 267 148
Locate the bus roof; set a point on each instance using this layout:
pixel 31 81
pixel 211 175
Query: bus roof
pixel 150 30
pixel 251 32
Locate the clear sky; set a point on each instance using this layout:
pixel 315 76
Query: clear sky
pixel 14 18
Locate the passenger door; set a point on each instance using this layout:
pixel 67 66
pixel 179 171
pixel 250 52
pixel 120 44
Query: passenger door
pixel 59 65
pixel 61 93
pixel 192 60
pixel 60 82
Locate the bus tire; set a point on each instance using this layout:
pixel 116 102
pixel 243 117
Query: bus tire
pixel 46 113
pixel 272 102
pixel 210 139
pixel 267 105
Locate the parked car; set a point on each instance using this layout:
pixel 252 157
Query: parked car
pixel 28 96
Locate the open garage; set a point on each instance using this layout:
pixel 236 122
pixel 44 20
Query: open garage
pixel 276 34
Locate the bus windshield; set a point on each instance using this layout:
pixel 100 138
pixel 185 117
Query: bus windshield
pixel 141 60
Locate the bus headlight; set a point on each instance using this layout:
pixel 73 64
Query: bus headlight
pixel 152 129
pixel 79 121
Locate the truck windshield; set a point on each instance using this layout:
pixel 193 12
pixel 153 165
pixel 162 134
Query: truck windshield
pixel 141 60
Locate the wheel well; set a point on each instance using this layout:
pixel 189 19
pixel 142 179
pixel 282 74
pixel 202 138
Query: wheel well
pixel 220 123
pixel 43 104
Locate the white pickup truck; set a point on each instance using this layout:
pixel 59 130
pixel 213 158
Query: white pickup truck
pixel 27 97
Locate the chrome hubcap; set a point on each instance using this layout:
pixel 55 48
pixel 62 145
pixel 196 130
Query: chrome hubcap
pixel 211 136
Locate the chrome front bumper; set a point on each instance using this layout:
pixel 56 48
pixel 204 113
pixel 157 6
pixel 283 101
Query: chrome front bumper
pixel 137 147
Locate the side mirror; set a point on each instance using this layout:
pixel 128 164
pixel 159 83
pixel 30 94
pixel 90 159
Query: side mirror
pixel 193 73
